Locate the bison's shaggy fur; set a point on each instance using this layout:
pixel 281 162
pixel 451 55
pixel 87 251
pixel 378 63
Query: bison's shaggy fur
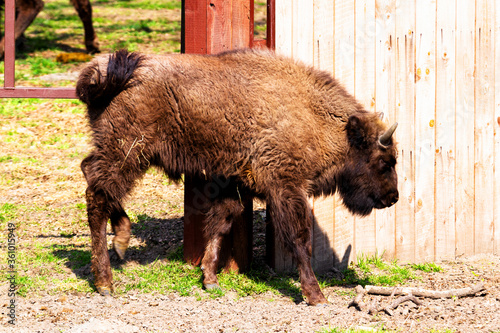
pixel 264 125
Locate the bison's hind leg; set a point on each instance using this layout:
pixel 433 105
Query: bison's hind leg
pixel 219 219
pixel 98 216
pixel 104 192
pixel 121 228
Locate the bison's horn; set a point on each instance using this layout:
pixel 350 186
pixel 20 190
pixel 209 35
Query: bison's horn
pixel 384 139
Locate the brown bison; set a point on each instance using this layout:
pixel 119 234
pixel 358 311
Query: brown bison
pixel 263 125
pixel 27 10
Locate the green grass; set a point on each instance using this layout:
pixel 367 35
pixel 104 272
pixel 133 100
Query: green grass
pixel 16 108
pixel 8 212
pixel 427 267
pixel 372 270
pixel 152 5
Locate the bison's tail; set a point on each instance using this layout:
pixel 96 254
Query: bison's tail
pixel 96 87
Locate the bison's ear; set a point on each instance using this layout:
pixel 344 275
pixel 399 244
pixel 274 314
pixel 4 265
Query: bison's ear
pixel 356 132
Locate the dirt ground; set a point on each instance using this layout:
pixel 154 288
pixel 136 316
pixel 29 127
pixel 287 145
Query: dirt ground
pixel 270 313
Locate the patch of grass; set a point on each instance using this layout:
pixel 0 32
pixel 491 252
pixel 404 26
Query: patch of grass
pixel 427 267
pixel 142 4
pixel 372 270
pixel 160 276
pixel 16 108
pixel 8 212
pixel 43 66
pixel 43 266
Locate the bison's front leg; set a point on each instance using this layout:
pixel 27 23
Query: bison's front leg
pixel 98 219
pixel 292 219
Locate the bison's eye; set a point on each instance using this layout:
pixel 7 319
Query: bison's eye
pixel 386 165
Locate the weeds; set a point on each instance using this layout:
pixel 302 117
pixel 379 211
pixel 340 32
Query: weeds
pixel 427 267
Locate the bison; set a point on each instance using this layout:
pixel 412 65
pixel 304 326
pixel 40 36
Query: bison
pixel 265 126
pixel 27 10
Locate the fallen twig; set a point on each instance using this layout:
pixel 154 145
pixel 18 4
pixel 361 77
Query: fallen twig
pixel 357 302
pixel 470 291
pixel 410 294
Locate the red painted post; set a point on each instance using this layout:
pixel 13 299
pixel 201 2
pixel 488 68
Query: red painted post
pixel 211 26
pixel 10 44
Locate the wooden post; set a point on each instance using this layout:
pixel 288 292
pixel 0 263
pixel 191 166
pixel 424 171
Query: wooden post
pixel 211 26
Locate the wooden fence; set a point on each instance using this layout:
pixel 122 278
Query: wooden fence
pixel 433 66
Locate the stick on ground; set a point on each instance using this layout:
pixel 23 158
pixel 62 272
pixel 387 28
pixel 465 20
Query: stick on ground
pixel 417 292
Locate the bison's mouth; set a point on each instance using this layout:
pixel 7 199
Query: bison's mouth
pixel 388 200
pixel 363 206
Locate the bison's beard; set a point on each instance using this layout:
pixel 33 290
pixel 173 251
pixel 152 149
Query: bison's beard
pixel 355 194
pixel 357 203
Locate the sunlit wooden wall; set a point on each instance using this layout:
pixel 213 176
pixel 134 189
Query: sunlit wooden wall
pixel 434 67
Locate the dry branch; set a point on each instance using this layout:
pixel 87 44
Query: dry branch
pixel 411 294
pixel 357 302
pixel 463 292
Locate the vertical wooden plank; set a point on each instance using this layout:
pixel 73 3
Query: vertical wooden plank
pixel 324 34
pixel 366 34
pixel 425 95
pixel 277 258
pixel 303 32
pixel 344 43
pixel 364 91
pixel 344 72
pixel 483 135
pixel 10 44
pixel 242 24
pixel 323 234
pixel 236 252
pixel 385 79
pixel 284 26
pixel 464 122
pixel 219 25
pixel 271 25
pixel 405 134
pixel 324 208
pixel 209 27
pixel 445 130
pixel 194 203
pixel 496 205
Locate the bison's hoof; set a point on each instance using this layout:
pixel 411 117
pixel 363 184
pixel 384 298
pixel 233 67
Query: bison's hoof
pixel 120 248
pixel 104 291
pixel 212 286
pixel 318 301
pixel 321 305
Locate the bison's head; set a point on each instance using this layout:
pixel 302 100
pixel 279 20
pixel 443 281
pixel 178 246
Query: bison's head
pixel 368 179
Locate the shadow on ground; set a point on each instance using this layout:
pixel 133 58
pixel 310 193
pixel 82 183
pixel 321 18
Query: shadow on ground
pixel 161 240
